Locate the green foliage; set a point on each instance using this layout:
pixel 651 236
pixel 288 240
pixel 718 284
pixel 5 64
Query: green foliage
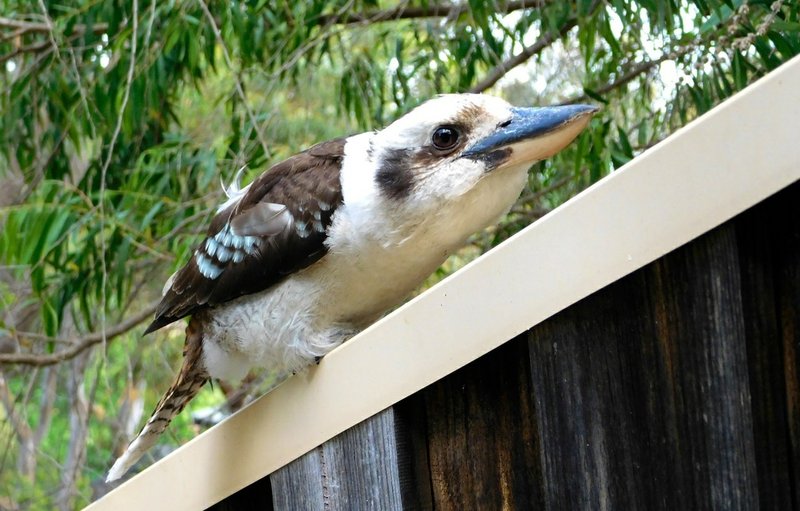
pixel 119 118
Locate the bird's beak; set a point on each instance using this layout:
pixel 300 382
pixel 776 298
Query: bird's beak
pixel 532 134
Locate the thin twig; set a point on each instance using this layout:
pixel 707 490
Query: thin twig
pixel 239 89
pixel 643 67
pixel 18 424
pixel 40 47
pixel 538 194
pixel 49 23
pixel 499 71
pixel 22 335
pixel 81 344
pixel 631 74
pixel 544 42
pixel 324 34
pixel 23 25
pixel 104 170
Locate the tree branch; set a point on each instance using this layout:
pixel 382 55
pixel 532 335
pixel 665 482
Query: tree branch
pixel 403 11
pixel 536 48
pixel 80 344
pixel 535 196
pixel 39 47
pixel 20 28
pixel 43 46
pixel 631 74
pixel 26 27
pixel 504 67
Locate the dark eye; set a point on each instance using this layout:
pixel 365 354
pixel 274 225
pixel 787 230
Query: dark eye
pixel 444 138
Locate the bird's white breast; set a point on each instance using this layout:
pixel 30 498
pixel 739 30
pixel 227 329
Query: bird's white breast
pixel 379 251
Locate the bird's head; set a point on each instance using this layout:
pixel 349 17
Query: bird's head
pixel 447 145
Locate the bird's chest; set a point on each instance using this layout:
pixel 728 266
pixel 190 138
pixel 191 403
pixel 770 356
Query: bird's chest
pixel 376 257
pixel 378 254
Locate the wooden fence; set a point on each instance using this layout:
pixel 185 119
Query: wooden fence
pixel 676 387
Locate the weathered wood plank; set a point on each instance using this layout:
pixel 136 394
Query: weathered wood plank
pixel 782 221
pixel 300 484
pixel 365 468
pixel 482 447
pixel 255 497
pixel 362 466
pixel 411 434
pixel 769 256
pixel 788 305
pixel 641 389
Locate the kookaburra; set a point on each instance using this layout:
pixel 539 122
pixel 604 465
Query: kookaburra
pixel 323 243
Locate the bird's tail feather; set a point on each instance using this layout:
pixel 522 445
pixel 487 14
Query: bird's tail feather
pixel 187 384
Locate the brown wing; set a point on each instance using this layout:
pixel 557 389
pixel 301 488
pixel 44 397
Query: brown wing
pixel 278 227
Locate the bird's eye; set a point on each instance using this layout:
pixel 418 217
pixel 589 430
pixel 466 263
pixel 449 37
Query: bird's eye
pixel 444 138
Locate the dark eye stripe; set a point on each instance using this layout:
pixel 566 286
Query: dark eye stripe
pixel 394 175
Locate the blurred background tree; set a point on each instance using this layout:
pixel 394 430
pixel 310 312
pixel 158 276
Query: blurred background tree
pixel 119 118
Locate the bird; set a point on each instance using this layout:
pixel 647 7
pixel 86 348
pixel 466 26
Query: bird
pixel 323 243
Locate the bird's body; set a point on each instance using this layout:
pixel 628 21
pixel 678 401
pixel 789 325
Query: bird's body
pixel 360 277
pixel 325 242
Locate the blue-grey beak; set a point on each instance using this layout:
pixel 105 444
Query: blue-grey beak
pixel 536 133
